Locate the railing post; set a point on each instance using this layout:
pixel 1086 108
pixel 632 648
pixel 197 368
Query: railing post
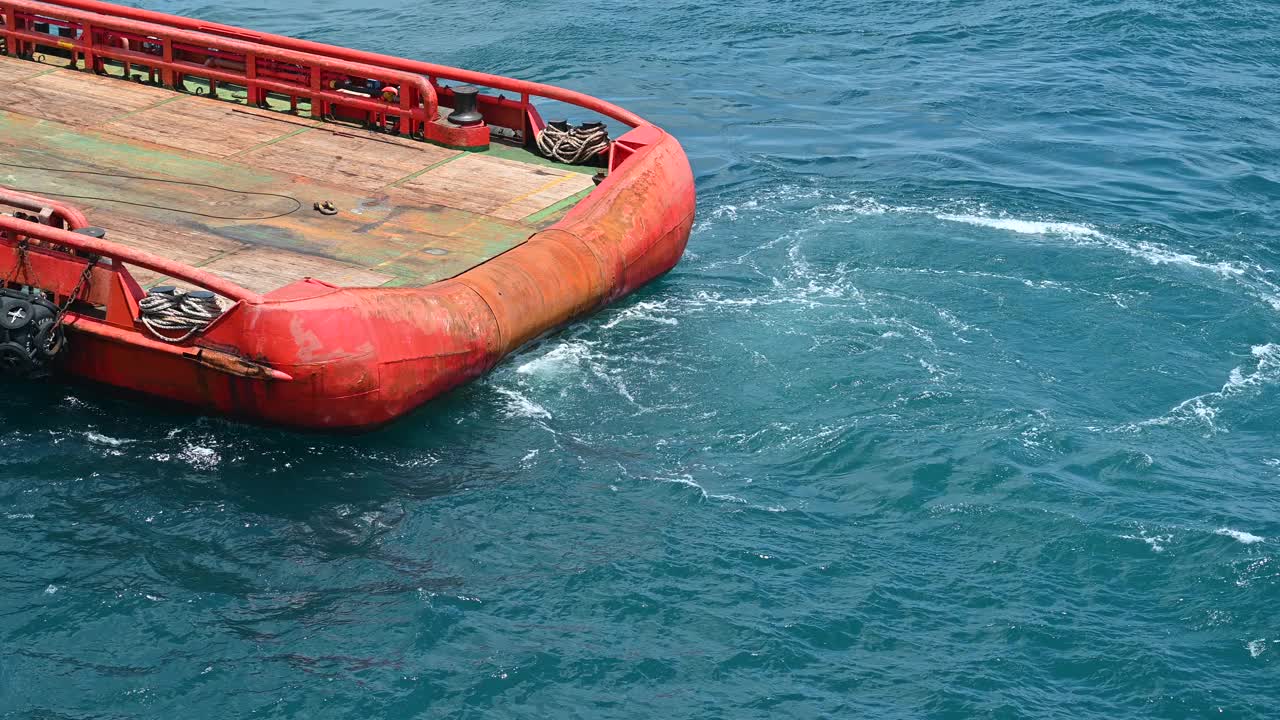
pixel 250 80
pixel 317 102
pixel 166 71
pixel 87 43
pixel 408 110
pixel 10 25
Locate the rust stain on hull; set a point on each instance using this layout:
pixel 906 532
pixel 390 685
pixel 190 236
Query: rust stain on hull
pixel 440 264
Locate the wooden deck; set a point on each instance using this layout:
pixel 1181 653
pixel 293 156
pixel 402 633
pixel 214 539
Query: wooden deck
pixel 410 213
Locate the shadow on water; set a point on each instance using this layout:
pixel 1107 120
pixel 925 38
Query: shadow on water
pixel 171 451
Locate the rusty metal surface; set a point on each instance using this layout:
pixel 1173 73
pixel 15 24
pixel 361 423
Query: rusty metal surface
pixel 314 354
pixel 362 357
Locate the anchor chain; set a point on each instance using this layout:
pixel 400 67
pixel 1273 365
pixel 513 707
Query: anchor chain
pixel 23 264
pixel 86 277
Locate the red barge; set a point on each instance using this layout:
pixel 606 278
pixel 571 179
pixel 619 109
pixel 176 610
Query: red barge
pixel 295 233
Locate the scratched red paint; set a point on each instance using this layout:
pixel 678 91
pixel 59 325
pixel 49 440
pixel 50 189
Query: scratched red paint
pixel 318 356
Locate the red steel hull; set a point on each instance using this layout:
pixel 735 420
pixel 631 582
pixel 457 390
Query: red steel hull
pixel 359 358
pixel 310 354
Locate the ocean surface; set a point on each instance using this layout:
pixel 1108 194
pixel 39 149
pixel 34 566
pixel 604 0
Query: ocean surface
pixel 963 403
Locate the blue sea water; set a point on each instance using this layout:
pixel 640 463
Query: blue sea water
pixel 963 403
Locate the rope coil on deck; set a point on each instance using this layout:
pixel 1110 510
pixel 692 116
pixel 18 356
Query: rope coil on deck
pixel 570 145
pixel 169 310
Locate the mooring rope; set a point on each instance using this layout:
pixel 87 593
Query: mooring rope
pixel 572 145
pixel 177 311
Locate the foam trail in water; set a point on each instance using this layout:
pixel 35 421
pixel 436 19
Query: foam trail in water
pixel 1240 535
pixel 1202 408
pixel 564 356
pixel 520 406
pixel 1025 227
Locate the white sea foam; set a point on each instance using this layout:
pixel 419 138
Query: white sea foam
pixel 200 457
pixel 856 206
pixel 101 439
pixel 1153 253
pixel 520 406
pixel 528 460
pixel 1256 647
pixel 687 480
pixel 562 357
pixel 1202 408
pixel 1024 227
pixel 1155 542
pixel 647 311
pixel 1256 568
pixel 1240 535
pixel 1251 277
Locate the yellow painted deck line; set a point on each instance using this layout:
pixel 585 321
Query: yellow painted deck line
pixel 558 181
pixel 479 218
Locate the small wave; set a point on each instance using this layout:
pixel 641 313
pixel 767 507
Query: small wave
pixel 200 457
pixel 529 460
pixel 100 439
pixel 1202 409
pixel 1256 647
pixel 562 357
pixel 1153 253
pixel 865 207
pixel 688 481
pixel 647 311
pixel 1024 227
pixel 1157 543
pixel 856 206
pixel 1256 568
pixel 1240 535
pixel 520 406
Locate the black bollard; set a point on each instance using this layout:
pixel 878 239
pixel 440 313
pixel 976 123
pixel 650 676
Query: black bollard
pixel 464 106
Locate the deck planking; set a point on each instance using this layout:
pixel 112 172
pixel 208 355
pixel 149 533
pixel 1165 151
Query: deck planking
pixel 411 213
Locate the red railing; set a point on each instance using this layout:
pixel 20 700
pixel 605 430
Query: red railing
pixel 43 210
pixel 175 54
pixel 13 231
pixel 56 258
pixel 523 88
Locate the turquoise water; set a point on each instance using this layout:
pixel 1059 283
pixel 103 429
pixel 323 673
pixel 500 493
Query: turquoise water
pixel 962 404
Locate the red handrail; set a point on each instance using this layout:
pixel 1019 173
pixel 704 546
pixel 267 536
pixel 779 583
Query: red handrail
pixel 72 217
pixel 522 87
pixel 133 256
pixel 413 87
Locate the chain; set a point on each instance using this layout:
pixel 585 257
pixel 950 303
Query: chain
pixel 22 264
pixel 85 277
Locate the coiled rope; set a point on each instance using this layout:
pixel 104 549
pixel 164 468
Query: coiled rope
pixel 572 145
pixel 170 311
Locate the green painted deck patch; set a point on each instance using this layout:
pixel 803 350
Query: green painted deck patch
pixel 381 231
pixel 521 154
